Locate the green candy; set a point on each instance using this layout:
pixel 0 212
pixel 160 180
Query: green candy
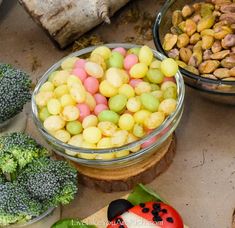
pixel 108 115
pixel 74 127
pixel 117 103
pixel 44 114
pixel 155 76
pixel 138 130
pixel 149 102
pixel 116 60
pixel 154 87
pixel 170 92
pixel 134 51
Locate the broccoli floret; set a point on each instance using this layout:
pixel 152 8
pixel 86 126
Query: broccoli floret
pixel 16 205
pixel 17 150
pixel 14 91
pixel 49 181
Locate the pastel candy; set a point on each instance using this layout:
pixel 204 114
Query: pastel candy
pixel 129 61
pixel 99 108
pixel 80 73
pixel 84 111
pixel 91 84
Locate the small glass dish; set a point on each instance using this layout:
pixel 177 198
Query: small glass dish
pixel 162 133
pixel 215 90
pixel 46 220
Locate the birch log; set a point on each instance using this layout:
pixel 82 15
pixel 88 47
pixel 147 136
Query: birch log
pixel 66 20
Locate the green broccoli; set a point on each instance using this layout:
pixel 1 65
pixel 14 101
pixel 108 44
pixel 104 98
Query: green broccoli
pixel 49 181
pixel 17 150
pixel 16 205
pixel 14 91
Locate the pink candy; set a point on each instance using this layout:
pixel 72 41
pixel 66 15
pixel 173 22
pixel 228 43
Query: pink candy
pixel 80 73
pixel 91 84
pixel 166 79
pixel 135 82
pixel 149 142
pixel 129 61
pixel 84 111
pixel 100 99
pixel 121 50
pixel 99 108
pixel 80 63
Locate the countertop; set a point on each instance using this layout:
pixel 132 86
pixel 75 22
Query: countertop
pixel 200 182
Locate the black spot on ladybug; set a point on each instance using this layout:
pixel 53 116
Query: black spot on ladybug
pixel 142 204
pixel 170 220
pixel 145 210
pixel 156 206
pixel 118 207
pixel 164 211
pixel 155 212
pixel 121 226
pixel 118 220
pixel 157 218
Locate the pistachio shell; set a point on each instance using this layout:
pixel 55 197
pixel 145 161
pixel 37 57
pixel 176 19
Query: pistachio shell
pixel 177 17
pixel 169 41
pixel 220 55
pixel 228 8
pixel 185 54
pixel 196 18
pixel 206 9
pixel 229 62
pixel 232 72
pixel 229 79
pixel 208 66
pixel 181 63
pixel 228 41
pixel 192 69
pixel 174 53
pixel 175 30
pixel 195 59
pixel 221 32
pixel 183 40
pixel 222 73
pixel 208 32
pixel 207 42
pixel 210 76
pixel 198 46
pixel 229 17
pixel 207 54
pixel 181 26
pixel 206 23
pixel 216 47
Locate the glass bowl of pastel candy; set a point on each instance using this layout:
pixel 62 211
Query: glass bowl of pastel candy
pixel 109 105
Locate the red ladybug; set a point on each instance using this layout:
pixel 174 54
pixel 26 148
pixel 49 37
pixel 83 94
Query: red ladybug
pixel 146 215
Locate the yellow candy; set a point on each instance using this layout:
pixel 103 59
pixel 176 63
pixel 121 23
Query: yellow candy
pixel 107 128
pixel 76 140
pixel 61 90
pixel 62 135
pixel 141 116
pixel 60 78
pixel 73 81
pixel 158 94
pixel 54 123
pixel 89 156
pixel 90 121
pixel 104 143
pixel 68 63
pixel 104 51
pixel 131 138
pixel 167 84
pixel 122 153
pixel 67 100
pixel 145 55
pixel 133 104
pixel 94 69
pixel 107 90
pixel 43 97
pixel 154 120
pixel 47 87
pixel 125 76
pixel 52 75
pixel 126 122
pixel 168 106
pixel 78 93
pixel 90 101
pixel 156 64
pixel 70 113
pixel 143 87
pixel 114 77
pixel 126 90
pixel 92 134
pixel 106 156
pixel 54 107
pixel 97 58
pixel 139 70
pixel 119 138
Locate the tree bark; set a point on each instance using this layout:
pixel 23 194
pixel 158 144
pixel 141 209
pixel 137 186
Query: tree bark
pixel 66 20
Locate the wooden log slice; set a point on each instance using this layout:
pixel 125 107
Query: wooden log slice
pixel 123 179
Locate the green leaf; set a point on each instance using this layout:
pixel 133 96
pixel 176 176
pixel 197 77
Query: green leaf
pixel 71 223
pixel 142 194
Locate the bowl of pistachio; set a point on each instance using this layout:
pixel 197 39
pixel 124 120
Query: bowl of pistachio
pixel 199 35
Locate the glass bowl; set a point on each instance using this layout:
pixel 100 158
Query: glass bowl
pixel 46 220
pixel 215 90
pixel 162 133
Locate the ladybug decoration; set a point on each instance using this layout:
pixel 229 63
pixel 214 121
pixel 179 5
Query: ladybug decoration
pixel 122 214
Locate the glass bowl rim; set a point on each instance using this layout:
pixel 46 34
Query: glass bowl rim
pixel 158 44
pixel 165 124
